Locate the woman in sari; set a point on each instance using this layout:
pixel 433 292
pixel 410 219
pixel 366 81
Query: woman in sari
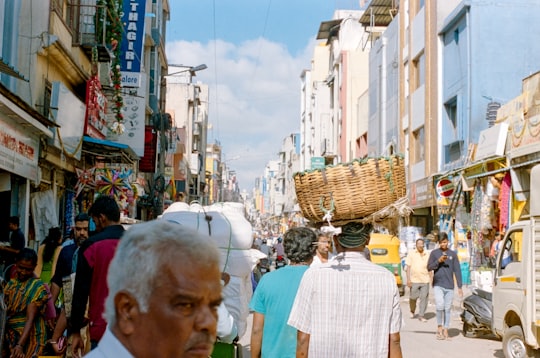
pixel 26 298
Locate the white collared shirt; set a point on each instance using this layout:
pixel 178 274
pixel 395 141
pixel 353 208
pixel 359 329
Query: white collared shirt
pixel 109 347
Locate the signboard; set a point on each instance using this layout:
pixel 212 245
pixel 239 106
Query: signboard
pixel 132 42
pixel 420 193
pixel 96 110
pixel 317 163
pixel 147 163
pixel 445 188
pixel 492 142
pixel 18 150
pixel 69 113
pixel 134 115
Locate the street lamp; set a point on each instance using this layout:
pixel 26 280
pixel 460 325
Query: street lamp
pixel 190 69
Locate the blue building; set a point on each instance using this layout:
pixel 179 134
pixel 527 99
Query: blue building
pixel 487 48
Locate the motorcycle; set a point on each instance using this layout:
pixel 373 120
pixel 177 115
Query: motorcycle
pixel 476 315
pixel 263 267
pixel 280 262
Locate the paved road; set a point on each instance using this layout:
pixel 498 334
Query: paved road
pixel 418 338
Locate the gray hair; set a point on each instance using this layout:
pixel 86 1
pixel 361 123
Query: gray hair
pixel 143 250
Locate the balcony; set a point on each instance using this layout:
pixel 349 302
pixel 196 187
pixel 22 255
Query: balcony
pixel 89 26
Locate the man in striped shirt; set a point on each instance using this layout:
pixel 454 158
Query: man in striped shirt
pixel 348 307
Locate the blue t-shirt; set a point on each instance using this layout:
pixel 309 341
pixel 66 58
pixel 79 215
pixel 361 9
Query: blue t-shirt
pixel 274 298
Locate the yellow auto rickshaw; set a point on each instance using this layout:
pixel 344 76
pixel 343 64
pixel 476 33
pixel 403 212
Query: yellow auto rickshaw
pixel 384 251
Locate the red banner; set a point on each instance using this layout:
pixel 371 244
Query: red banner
pixel 148 162
pixel 96 109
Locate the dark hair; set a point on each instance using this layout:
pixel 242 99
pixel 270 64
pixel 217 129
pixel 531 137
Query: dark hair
pixel 299 244
pixel 107 206
pixel 420 239
pixel 82 217
pixel 443 236
pixel 14 220
pixel 27 254
pixel 51 242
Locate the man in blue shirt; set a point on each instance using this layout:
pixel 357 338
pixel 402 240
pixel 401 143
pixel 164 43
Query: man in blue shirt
pixel 273 299
pixel 445 265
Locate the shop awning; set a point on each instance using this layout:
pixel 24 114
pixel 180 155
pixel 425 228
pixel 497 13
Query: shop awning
pixel 9 70
pixel 109 150
pixel 485 168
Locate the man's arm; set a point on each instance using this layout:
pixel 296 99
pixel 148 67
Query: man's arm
pixel 394 347
pixel 434 261
pixel 81 291
pixel 302 344
pixel 256 334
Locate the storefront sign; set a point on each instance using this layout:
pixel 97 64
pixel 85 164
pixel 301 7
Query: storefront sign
pixel 421 194
pixel 96 110
pixel 134 118
pixel 18 151
pixel 445 188
pixel 132 42
pixel 317 163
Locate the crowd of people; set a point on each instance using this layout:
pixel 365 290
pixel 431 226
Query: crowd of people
pixel 155 290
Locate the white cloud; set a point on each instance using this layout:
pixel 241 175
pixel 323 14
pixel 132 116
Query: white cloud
pixel 254 97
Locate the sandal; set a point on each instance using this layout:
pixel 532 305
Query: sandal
pixel 439 335
pixel 445 334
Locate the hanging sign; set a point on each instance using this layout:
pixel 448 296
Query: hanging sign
pixel 445 188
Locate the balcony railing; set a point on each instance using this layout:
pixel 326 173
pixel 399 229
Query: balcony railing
pixel 89 23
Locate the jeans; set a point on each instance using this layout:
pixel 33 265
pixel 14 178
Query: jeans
pixel 443 304
pixel 419 291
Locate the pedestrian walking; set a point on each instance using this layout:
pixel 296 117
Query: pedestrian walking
pixel 445 266
pixel 418 279
pixel 349 307
pixel 274 297
pixel 93 259
pixel 322 249
pixel 164 294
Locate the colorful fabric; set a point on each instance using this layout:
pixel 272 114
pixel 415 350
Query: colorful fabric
pixel 18 296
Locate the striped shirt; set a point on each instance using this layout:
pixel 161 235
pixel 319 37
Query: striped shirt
pixel 349 307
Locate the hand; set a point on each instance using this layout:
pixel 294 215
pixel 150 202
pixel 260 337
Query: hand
pixel 51 323
pixel 77 345
pixel 17 352
pixel 442 258
pixel 57 350
pixel 460 292
pixel 409 284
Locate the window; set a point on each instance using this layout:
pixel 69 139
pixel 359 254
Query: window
pixel 418 5
pixel 451 112
pixel 419 71
pixel 510 257
pixel 419 154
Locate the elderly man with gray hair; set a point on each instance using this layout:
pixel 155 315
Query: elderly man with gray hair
pixel 348 307
pixel 164 292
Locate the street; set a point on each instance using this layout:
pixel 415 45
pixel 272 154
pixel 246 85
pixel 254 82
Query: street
pixel 418 338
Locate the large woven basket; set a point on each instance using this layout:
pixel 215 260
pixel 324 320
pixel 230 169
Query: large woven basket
pixel 352 190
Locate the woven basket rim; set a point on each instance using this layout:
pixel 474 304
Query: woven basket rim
pixel 346 164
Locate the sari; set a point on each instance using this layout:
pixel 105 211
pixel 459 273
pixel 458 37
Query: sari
pixel 18 295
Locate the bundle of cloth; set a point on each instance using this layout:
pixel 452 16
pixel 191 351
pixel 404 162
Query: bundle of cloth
pixel 226 225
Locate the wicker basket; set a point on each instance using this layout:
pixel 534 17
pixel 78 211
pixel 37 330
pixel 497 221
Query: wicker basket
pixel 352 190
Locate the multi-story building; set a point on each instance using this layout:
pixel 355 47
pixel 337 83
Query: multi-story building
pixel 187 103
pixel 69 120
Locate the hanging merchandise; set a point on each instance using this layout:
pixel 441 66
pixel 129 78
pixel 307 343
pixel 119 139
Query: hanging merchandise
pixel 85 180
pixel 476 209
pixel 504 202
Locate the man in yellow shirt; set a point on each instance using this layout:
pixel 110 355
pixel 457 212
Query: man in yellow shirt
pixel 418 279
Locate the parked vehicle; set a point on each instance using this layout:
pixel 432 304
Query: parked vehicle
pixel 384 251
pixel 516 289
pixel 477 311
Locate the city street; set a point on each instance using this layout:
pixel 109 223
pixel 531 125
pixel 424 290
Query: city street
pixel 418 338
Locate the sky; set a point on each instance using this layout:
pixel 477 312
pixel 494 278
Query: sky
pixel 255 51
